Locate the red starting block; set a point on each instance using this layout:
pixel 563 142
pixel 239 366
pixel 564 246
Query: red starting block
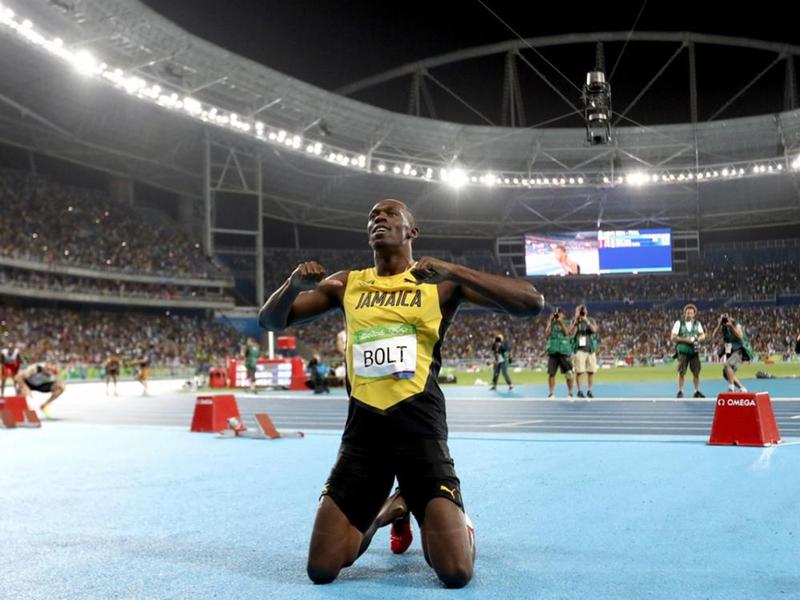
pixel 7 419
pixel 268 428
pixel 211 413
pixel 744 420
pixel 31 420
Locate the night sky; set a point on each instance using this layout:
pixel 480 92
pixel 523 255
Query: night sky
pixel 330 44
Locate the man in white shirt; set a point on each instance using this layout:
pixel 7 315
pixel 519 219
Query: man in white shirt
pixel 687 333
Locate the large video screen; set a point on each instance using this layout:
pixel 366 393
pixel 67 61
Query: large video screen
pixel 599 252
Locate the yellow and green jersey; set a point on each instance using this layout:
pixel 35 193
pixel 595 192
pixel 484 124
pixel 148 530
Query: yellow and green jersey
pixel 394 334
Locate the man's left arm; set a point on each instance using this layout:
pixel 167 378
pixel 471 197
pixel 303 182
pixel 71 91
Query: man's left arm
pixel 592 325
pixel 736 329
pixel 514 296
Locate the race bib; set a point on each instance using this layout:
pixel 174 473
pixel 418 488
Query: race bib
pixel 385 350
pixel 581 340
pixel 728 348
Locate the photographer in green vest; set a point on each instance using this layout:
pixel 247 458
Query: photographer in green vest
pixel 735 349
pixel 559 351
pixel 688 333
pixel 584 342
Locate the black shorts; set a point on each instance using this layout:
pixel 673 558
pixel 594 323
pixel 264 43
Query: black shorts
pixel 556 362
pixel 362 478
pixel 112 372
pixel 45 387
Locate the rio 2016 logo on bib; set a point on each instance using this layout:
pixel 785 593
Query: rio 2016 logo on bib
pixel 385 350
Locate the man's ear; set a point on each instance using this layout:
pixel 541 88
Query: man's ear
pixel 413 233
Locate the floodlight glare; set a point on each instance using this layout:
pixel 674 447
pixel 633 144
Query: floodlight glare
pixel 85 63
pixel 455 177
pixel 637 178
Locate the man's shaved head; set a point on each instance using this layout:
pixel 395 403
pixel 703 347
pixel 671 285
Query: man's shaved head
pixel 412 218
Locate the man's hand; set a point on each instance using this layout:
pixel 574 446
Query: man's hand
pixel 310 275
pixel 432 270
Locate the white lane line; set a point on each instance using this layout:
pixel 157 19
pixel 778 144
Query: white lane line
pixel 763 460
pixel 516 423
pixel 609 427
pixel 795 417
pixel 491 399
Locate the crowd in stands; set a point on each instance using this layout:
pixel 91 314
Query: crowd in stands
pixel 65 284
pixel 44 221
pixel 87 337
pixel 762 281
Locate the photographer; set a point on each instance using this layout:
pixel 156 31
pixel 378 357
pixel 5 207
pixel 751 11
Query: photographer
pixel 501 351
pixel 584 342
pixel 735 349
pixel 687 333
pixel 797 344
pixel 559 350
pixel 317 376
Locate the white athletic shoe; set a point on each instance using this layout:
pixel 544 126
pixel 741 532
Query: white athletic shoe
pixel 742 389
pixel 731 388
pixel 551 397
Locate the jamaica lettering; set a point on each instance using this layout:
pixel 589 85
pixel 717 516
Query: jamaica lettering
pixel 407 298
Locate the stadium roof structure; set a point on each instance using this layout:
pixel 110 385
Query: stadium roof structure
pixel 113 85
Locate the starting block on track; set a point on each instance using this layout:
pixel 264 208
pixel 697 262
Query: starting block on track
pixel 31 420
pixel 266 430
pixel 744 419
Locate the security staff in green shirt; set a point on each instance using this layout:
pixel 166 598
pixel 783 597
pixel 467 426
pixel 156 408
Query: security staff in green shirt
pixel 559 351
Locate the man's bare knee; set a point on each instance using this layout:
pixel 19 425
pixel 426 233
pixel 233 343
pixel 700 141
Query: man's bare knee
pixel 322 571
pixel 456 575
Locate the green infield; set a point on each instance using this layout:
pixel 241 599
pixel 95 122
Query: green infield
pixel 629 374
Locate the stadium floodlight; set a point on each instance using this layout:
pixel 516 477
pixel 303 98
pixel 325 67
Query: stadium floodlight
pixel 85 63
pixel 637 178
pixel 455 177
pixel 489 179
pixel 796 163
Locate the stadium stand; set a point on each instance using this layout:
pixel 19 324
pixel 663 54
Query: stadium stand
pixel 48 222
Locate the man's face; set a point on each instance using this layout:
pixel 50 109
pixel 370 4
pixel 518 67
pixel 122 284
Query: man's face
pixel 689 314
pixel 390 224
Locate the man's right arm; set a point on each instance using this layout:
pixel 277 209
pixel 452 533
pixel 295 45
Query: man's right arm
pixel 304 296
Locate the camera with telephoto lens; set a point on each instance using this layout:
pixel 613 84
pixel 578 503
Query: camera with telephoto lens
pixel 582 312
pixel 724 319
pixel 556 313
